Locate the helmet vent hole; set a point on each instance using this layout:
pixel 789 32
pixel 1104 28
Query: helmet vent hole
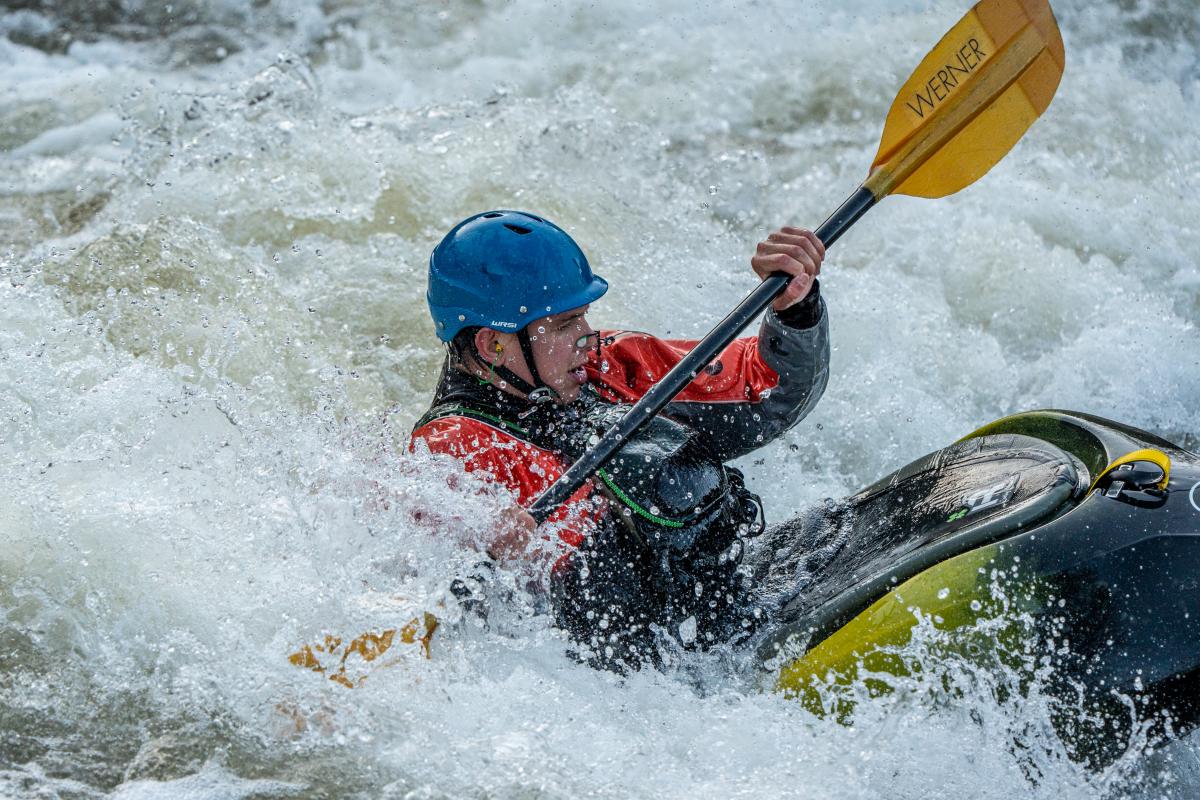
pixel 517 228
pixel 493 215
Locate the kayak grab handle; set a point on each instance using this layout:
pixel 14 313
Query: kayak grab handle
pixel 1156 457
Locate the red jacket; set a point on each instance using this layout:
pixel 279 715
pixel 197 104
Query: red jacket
pixel 756 389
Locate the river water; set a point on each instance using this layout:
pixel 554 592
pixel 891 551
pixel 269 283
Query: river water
pixel 214 225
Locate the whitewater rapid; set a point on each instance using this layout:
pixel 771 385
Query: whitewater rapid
pixel 215 219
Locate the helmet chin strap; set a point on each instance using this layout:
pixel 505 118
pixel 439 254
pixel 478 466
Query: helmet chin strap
pixel 537 392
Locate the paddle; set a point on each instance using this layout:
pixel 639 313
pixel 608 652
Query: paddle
pixel 968 102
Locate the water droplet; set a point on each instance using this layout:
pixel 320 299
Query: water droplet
pixel 943 594
pixel 687 630
pixel 524 310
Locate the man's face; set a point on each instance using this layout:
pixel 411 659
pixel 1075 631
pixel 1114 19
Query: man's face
pixel 559 354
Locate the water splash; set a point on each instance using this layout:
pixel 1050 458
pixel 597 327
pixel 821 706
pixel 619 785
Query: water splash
pixel 212 291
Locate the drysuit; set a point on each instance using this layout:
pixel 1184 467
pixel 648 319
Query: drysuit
pixel 654 541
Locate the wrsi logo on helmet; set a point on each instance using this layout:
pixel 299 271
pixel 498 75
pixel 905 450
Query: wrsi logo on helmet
pixel 503 270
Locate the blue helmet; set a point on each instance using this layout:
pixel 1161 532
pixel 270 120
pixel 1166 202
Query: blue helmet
pixel 503 270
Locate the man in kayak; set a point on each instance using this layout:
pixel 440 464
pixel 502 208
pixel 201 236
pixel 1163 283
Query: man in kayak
pixel 651 546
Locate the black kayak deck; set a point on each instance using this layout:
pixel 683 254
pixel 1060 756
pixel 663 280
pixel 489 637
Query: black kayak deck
pixel 825 566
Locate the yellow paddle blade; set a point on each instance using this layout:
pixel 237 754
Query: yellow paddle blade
pixel 970 100
pixel 345 662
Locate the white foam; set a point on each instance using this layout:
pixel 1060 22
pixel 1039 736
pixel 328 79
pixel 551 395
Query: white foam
pixel 206 323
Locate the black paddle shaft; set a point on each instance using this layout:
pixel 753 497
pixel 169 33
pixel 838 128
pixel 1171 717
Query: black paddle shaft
pixel 683 373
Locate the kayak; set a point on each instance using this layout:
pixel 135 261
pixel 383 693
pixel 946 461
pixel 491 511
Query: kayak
pixel 1080 535
pixel 1085 533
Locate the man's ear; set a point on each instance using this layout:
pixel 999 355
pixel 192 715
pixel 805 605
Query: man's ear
pixel 488 346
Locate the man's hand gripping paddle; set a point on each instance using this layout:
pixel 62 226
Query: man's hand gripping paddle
pixel 968 102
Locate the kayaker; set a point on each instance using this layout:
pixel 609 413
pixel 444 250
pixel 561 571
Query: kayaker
pixel 651 546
